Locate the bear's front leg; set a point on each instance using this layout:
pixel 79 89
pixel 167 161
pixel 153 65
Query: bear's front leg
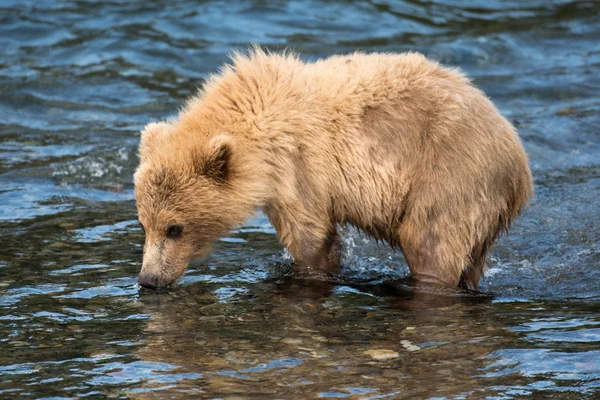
pixel 315 254
pixel 315 246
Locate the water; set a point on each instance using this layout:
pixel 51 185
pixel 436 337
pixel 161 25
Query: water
pixel 79 79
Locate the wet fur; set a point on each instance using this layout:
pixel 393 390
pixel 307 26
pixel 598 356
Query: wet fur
pixel 394 144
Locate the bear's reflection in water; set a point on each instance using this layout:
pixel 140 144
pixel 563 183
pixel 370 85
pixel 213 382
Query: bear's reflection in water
pixel 291 338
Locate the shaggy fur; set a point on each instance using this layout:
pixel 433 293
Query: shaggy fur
pixel 394 144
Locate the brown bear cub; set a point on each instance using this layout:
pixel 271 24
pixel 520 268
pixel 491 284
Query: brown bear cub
pixel 395 144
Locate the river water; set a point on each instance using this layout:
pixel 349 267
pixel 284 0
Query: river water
pixel 79 79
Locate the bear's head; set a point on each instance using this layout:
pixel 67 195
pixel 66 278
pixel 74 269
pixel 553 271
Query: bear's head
pixel 186 198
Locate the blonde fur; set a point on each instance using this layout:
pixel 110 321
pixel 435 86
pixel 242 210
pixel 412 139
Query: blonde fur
pixel 394 144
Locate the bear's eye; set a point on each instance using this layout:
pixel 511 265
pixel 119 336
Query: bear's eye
pixel 142 226
pixel 174 231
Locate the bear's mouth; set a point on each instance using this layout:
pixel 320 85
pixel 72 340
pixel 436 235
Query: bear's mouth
pixel 148 281
pixel 153 282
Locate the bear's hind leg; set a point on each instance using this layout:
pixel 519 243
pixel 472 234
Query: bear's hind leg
pixel 469 278
pixel 432 257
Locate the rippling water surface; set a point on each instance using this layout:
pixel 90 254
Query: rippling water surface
pixel 78 79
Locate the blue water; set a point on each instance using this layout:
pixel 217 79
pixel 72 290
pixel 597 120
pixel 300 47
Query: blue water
pixel 79 79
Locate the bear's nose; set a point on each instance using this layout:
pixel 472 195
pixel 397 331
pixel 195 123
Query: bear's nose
pixel 148 281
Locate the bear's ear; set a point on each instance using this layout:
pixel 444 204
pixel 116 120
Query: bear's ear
pixel 149 140
pixel 214 160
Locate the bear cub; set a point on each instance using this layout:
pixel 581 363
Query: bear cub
pixel 397 145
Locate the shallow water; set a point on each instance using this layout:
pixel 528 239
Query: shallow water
pixel 78 81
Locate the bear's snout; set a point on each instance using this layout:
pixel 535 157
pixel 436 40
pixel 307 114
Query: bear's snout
pixel 148 281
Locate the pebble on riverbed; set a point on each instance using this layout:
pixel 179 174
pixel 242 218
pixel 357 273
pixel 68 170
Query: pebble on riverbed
pixel 409 346
pixel 291 341
pixel 381 354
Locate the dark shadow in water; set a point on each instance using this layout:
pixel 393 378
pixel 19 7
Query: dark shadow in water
pixel 407 294
pixel 402 293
